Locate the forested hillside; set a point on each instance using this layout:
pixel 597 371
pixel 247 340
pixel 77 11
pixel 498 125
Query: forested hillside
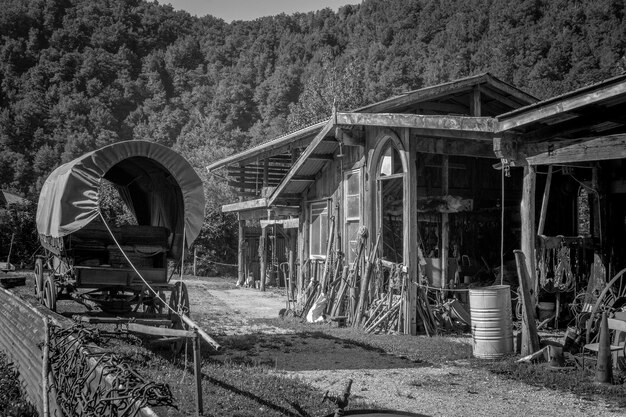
pixel 79 74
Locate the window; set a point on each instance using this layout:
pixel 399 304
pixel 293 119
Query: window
pixel 352 212
pixel 318 229
pixel 391 204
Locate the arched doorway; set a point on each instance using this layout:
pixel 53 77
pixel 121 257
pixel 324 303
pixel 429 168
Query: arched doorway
pixel 391 213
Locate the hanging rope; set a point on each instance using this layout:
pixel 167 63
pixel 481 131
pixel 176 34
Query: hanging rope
pixel 154 292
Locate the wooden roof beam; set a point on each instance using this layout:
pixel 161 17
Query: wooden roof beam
pixel 304 156
pixel 481 149
pixel 418 121
pixel 585 150
pixel 539 112
pixel 264 150
pixel 245 205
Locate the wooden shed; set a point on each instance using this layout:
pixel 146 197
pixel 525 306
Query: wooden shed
pixel 444 180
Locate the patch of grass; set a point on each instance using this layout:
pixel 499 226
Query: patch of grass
pixel 242 385
pixel 12 400
pixel 576 381
pixel 420 349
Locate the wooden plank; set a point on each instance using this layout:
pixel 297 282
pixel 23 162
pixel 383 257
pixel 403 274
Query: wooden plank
pixel 245 205
pixel 197 370
pixel 530 338
pixel 263 257
pixel 544 202
pixel 418 121
pixel 551 108
pixel 450 146
pixel 590 149
pixel 411 232
pixel 286 223
pixel 276 146
pixel 158 331
pixel 301 160
pixel 241 254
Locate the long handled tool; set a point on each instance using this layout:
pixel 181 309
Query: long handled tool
pixel 365 284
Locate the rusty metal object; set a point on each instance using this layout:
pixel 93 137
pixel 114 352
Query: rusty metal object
pixel 98 383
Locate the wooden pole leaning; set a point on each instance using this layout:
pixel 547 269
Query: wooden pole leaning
pixel 197 361
pixel 530 338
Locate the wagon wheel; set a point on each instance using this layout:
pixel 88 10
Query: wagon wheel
pixel 155 306
pixel 612 297
pixel 179 302
pixel 50 293
pixel 38 277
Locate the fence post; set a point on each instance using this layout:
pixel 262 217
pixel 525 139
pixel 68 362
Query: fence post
pixel 197 359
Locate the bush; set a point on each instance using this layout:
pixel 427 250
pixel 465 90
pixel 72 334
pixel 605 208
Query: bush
pixel 12 402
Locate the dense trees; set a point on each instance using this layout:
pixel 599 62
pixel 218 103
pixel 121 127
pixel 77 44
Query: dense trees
pixel 79 74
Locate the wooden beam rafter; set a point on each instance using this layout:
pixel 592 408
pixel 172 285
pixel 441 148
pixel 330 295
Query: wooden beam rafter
pixel 439 124
pixel 561 105
pixel 585 150
pixel 302 159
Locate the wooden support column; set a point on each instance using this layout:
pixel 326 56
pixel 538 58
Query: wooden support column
pixel 445 222
pixel 527 212
pixel 241 255
pixel 263 256
pixel 544 202
pixel 304 247
pixel 292 262
pixel 411 258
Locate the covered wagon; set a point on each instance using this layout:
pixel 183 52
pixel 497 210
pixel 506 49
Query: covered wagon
pixel 121 270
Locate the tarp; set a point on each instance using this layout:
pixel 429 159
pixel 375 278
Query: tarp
pixel 157 184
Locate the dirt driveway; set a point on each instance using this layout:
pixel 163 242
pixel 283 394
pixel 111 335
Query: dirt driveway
pixel 237 318
pixel 327 362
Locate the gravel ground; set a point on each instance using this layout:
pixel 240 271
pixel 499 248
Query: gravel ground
pixel 414 378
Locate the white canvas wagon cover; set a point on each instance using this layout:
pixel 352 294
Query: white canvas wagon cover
pixel 156 183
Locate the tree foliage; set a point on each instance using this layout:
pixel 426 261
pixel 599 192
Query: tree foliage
pixel 77 74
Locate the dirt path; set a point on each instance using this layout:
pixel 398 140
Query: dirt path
pixel 384 380
pixel 327 361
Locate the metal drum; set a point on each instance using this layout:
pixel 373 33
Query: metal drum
pixel 492 326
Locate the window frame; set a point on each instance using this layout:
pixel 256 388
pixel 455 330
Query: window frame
pixel 348 221
pixel 323 244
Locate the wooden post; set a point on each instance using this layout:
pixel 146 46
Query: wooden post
pixel 411 258
pixel 544 202
pixel 45 367
pixel 304 249
pixel 195 260
pixel 527 212
pixel 197 361
pixel 530 339
pixel 241 253
pixel 292 262
pixel 445 224
pixel 263 256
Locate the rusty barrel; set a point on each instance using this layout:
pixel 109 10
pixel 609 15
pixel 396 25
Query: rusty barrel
pixel 492 325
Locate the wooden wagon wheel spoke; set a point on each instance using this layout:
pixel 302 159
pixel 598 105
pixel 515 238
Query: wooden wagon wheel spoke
pixel 611 298
pixel 50 293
